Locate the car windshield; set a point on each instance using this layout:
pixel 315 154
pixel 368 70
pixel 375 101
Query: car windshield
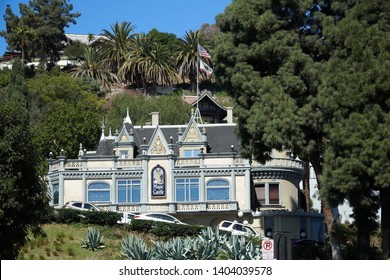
pixel 250 230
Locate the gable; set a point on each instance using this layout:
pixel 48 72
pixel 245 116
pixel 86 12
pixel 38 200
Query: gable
pixel 158 144
pixel 192 133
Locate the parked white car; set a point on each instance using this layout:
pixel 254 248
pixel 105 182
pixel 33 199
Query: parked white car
pixel 80 205
pixel 126 218
pixel 237 228
pixel 160 217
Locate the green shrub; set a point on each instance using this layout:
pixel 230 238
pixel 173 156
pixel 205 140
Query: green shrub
pixel 68 216
pixel 165 230
pixel 103 218
pixel 71 216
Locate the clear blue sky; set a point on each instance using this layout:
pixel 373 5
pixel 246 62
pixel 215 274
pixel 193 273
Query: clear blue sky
pixel 173 16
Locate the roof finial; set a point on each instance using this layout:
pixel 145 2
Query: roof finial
pixel 127 119
pixel 81 153
pixel 103 137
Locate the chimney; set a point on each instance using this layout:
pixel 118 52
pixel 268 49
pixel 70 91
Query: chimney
pixel 154 118
pixel 229 116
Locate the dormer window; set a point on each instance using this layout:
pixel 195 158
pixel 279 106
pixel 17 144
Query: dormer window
pixel 191 153
pixel 124 154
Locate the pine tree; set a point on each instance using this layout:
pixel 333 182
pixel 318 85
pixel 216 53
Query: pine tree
pixel 269 58
pixel 354 97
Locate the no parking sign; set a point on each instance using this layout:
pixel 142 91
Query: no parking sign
pixel 267 249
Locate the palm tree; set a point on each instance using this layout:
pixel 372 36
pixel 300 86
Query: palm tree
pixel 24 33
pixel 148 64
pixel 93 66
pixel 116 44
pixel 187 57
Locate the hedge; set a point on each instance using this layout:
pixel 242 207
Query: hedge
pixel 165 230
pixel 70 216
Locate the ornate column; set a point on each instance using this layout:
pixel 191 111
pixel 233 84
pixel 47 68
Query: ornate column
pixel 61 160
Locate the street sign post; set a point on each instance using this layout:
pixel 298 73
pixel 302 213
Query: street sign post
pixel 267 249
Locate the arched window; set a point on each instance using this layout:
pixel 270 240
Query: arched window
pixel 217 189
pixel 99 192
pixel 158 181
pixel 55 194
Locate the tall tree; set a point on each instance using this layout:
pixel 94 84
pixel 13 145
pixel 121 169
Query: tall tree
pixel 47 20
pixel 17 88
pixel 116 44
pixel 64 128
pixel 354 95
pixel 266 60
pixel 94 66
pixel 149 63
pixel 23 194
pixel 208 32
pixel 166 40
pixel 49 90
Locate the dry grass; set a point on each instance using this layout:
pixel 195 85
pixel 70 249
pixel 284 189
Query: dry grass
pixel 63 242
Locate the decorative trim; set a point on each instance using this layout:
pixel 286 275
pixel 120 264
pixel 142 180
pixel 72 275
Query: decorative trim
pixel 188 207
pixel 158 145
pixel 192 133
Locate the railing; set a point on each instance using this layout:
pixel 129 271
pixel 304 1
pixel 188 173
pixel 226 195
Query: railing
pixel 73 165
pixel 188 162
pixel 281 162
pixel 188 207
pixel 129 163
pixel 182 162
pixel 129 208
pixel 158 207
pixel 180 207
pixel 218 206
pixel 55 166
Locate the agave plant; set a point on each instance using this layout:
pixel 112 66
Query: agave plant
pixel 239 248
pixel 93 240
pixel 175 249
pixel 207 245
pixel 135 248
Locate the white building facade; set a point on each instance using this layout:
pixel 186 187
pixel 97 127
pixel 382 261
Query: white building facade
pixel 192 171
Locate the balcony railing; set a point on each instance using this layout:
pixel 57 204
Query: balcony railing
pixel 281 162
pixel 188 162
pixel 179 207
pixel 98 164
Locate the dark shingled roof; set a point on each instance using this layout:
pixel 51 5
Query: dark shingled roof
pixel 220 137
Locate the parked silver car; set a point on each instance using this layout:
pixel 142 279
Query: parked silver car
pixel 237 228
pixel 80 205
pixel 160 217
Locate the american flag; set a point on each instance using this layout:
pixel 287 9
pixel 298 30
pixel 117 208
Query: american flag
pixel 203 52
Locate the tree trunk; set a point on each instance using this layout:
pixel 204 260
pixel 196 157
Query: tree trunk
pixel 363 233
pixel 306 185
pixel 330 222
pixel 329 218
pixel 385 222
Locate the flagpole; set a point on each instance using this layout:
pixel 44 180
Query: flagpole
pixel 197 77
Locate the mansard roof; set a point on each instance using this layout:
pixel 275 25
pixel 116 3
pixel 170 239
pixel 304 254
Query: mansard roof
pixel 220 137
